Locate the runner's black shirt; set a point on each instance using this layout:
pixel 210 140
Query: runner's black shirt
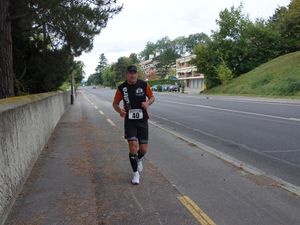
pixel 133 96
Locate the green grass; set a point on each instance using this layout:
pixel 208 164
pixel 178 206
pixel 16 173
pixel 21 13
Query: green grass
pixel 65 86
pixel 279 77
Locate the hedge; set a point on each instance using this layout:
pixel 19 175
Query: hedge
pixel 161 82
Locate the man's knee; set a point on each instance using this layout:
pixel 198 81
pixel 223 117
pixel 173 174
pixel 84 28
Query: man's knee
pixel 132 147
pixel 143 147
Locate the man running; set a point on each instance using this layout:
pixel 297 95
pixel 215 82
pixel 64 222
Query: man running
pixel 137 97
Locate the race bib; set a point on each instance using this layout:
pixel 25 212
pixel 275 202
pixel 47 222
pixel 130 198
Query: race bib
pixel 135 114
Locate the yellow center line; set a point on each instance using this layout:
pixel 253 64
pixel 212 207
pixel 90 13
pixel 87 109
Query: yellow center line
pixel 195 210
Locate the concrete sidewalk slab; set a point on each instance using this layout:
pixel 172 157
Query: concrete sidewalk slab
pixel 83 177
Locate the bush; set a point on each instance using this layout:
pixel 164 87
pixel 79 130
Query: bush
pixel 288 87
pixel 224 73
pixel 159 88
pixel 119 83
pixel 160 82
pixel 263 80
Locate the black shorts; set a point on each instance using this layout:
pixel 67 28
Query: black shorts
pixel 136 130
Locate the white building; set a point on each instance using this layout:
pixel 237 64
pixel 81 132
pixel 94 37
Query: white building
pixel 189 74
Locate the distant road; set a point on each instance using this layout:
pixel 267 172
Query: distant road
pixel 263 134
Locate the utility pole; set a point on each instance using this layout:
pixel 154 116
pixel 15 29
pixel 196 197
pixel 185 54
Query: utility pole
pixel 72 88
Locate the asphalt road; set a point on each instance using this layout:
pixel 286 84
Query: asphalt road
pixel 263 134
pixel 226 193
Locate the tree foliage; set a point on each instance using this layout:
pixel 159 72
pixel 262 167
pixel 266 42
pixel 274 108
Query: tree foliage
pixel 102 63
pixel 241 45
pixel 286 21
pixel 111 75
pixel 179 46
pixel 224 73
pixel 207 61
pixel 165 60
pixel 47 35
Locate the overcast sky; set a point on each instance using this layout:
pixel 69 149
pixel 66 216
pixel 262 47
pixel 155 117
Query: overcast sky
pixel 141 21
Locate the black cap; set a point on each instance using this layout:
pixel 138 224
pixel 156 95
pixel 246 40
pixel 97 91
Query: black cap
pixel 131 68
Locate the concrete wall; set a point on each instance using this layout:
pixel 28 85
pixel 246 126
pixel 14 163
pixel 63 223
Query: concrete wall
pixel 26 124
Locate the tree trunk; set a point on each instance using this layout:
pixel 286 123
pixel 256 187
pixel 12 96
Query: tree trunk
pixel 6 55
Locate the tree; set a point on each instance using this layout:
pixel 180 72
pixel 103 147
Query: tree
pixel 207 60
pixel 257 44
pixel 78 72
pixel 98 71
pixel 194 39
pixel 231 24
pixel 102 63
pixel 224 73
pixel 6 60
pixel 179 46
pixel 120 67
pixel 39 65
pixel 240 45
pixel 94 79
pixel 150 49
pixel 108 76
pixel 43 30
pixel 165 61
pixel 134 58
pixel 290 27
pixel 72 24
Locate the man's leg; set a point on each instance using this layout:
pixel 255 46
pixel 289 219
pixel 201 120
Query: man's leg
pixel 133 157
pixel 142 133
pixel 133 154
pixel 131 136
pixel 142 150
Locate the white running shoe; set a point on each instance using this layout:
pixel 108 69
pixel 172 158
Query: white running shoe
pixel 140 165
pixel 136 178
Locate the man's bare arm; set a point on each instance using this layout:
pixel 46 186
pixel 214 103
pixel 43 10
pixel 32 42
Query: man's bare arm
pixel 151 100
pixel 146 104
pixel 117 108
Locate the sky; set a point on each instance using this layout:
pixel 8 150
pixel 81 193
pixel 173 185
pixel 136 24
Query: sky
pixel 141 21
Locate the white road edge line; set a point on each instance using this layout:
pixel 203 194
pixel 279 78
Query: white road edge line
pixel 286 102
pixel 246 167
pixel 111 122
pixel 237 111
pixel 283 151
pixel 295 119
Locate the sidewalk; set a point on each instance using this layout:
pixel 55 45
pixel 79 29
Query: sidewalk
pixel 83 177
